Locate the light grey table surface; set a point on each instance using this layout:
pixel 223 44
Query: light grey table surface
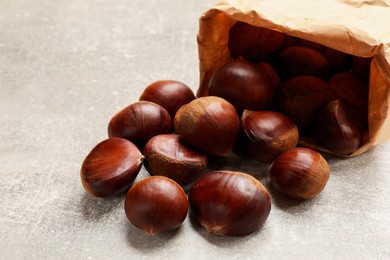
pixel 65 68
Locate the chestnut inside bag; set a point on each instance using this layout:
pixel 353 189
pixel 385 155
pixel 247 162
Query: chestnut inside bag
pixel 350 26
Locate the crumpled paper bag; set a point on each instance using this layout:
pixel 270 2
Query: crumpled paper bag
pixel 360 28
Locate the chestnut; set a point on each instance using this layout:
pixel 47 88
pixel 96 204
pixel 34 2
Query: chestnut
pixel 297 61
pixel 253 43
pixel 300 98
pixel 338 61
pixel 168 156
pixel 229 203
pixel 139 122
pixel 210 124
pixel 156 204
pixel 351 88
pixel 170 94
pixel 338 127
pixel 300 173
pixel 111 167
pixel 243 84
pixel 268 69
pixel 266 134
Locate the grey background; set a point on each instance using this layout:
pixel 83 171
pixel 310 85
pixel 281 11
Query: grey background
pixel 65 68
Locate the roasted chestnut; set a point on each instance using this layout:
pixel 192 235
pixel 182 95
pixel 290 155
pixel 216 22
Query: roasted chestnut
pixel 300 173
pixel 301 97
pixel 168 156
pixel 111 167
pixel 139 122
pixel 266 134
pixel 298 61
pixel 338 127
pixel 156 204
pixel 253 43
pixel 170 94
pixel 243 84
pixel 210 124
pixel 229 203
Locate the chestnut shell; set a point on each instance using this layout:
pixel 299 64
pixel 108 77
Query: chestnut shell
pixel 229 203
pixel 338 61
pixel 244 85
pixel 298 61
pixel 111 167
pixel 139 122
pixel 351 88
pixel 253 43
pixel 210 124
pixel 300 173
pixel 168 156
pixel 266 134
pixel 339 127
pixel 170 94
pixel 301 97
pixel 269 70
pixel 156 204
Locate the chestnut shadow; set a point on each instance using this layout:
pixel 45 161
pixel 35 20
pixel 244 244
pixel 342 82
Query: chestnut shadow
pixel 239 161
pixel 94 208
pixel 288 204
pixel 330 158
pixel 221 241
pixel 139 240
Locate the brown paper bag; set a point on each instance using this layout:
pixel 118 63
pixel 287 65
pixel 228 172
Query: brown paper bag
pixel 360 28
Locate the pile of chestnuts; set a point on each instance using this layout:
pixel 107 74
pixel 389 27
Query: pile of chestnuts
pixel 322 90
pixel 275 90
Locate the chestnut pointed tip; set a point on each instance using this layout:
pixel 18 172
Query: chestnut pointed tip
pixel 151 231
pixel 141 159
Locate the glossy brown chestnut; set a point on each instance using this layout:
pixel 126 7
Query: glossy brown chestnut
pixel 229 203
pixel 338 61
pixel 170 94
pixel 297 61
pixel 267 68
pixel 266 134
pixel 210 124
pixel 301 97
pixel 111 167
pixel 253 43
pixel 168 156
pixel 243 84
pixel 300 173
pixel 156 204
pixel 139 122
pixel 337 127
pixel 351 88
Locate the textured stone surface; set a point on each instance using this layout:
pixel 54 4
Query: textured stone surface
pixel 65 68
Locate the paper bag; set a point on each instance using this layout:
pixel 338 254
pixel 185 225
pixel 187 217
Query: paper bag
pixel 359 28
